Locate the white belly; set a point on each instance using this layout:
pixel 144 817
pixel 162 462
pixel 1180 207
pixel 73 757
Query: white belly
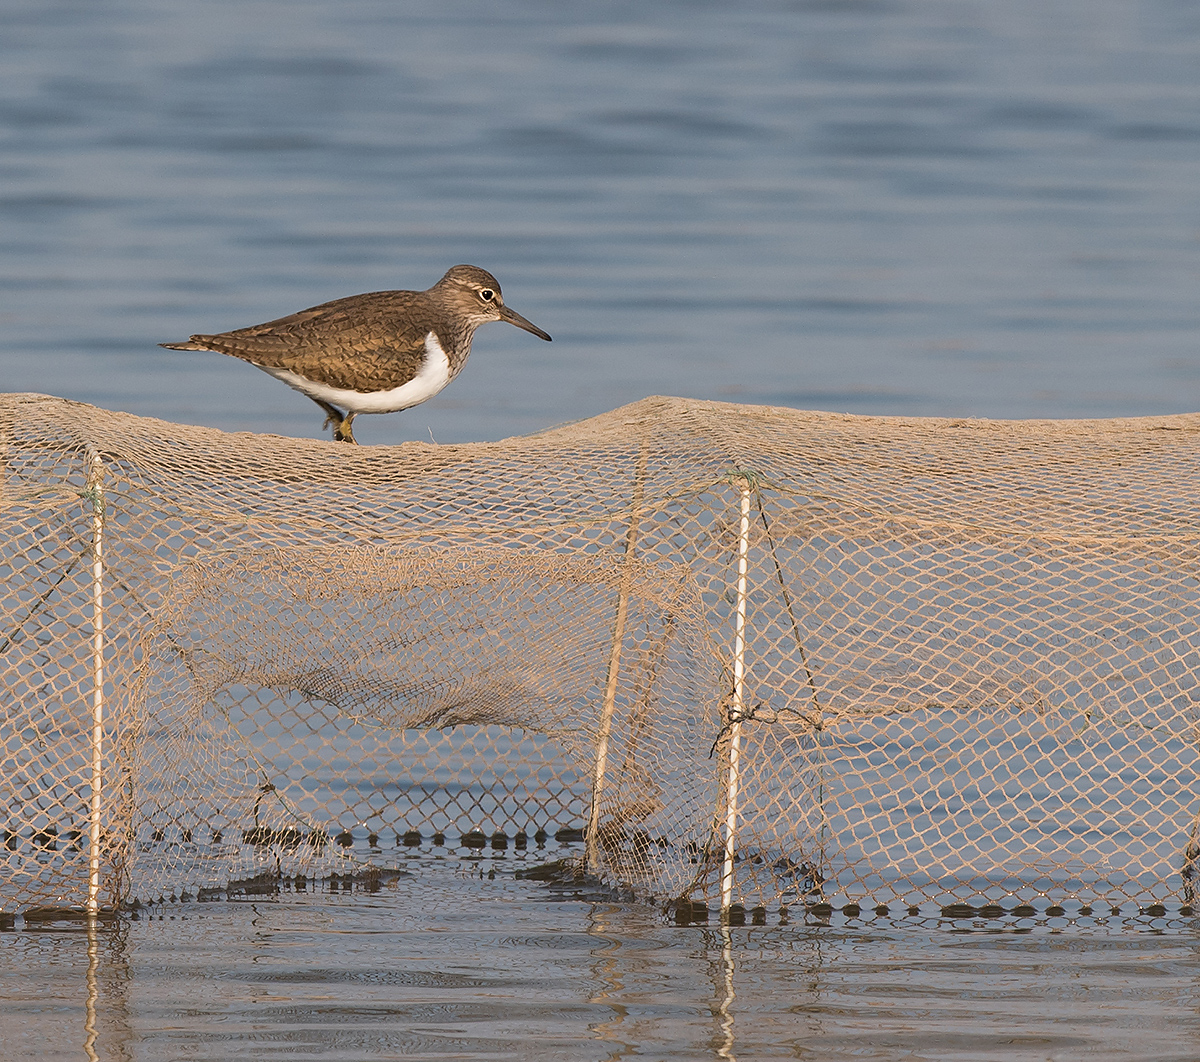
pixel 432 377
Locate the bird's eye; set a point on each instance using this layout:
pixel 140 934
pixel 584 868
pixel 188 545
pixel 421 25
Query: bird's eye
pixel 487 294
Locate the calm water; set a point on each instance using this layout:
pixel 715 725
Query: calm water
pixel 886 206
pixel 959 207
pixel 453 962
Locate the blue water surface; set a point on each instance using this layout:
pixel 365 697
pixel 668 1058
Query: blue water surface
pixel 884 206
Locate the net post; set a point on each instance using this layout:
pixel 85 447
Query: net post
pixel 95 495
pixel 737 707
pixel 608 705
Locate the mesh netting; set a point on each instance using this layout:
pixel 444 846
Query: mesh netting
pixel 742 655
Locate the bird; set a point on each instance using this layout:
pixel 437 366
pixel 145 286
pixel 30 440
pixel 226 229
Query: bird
pixel 380 352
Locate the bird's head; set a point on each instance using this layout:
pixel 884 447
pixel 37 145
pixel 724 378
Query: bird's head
pixel 475 295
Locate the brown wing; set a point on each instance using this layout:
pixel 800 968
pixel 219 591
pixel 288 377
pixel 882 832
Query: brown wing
pixel 370 342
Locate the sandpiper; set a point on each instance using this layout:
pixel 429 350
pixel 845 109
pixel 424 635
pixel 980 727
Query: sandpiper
pixel 375 353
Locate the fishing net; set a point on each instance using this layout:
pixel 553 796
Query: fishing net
pixel 714 654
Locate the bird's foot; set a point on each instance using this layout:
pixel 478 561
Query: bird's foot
pixel 339 421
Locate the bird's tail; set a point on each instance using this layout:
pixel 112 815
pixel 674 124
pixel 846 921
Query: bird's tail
pixel 195 343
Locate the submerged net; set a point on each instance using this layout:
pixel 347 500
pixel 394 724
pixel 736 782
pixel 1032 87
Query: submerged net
pixel 730 655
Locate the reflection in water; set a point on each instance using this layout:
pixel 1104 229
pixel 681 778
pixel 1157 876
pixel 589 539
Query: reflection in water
pixel 444 964
pixel 89 1021
pixel 107 1031
pixel 65 991
pixel 606 968
pixel 726 996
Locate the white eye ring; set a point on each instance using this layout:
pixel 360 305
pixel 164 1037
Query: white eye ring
pixel 487 294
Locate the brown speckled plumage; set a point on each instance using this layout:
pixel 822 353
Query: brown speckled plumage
pixel 372 343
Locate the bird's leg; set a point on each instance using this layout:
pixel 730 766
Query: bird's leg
pixel 339 420
pixel 333 415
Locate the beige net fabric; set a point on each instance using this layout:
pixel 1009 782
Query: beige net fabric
pixel 966 670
